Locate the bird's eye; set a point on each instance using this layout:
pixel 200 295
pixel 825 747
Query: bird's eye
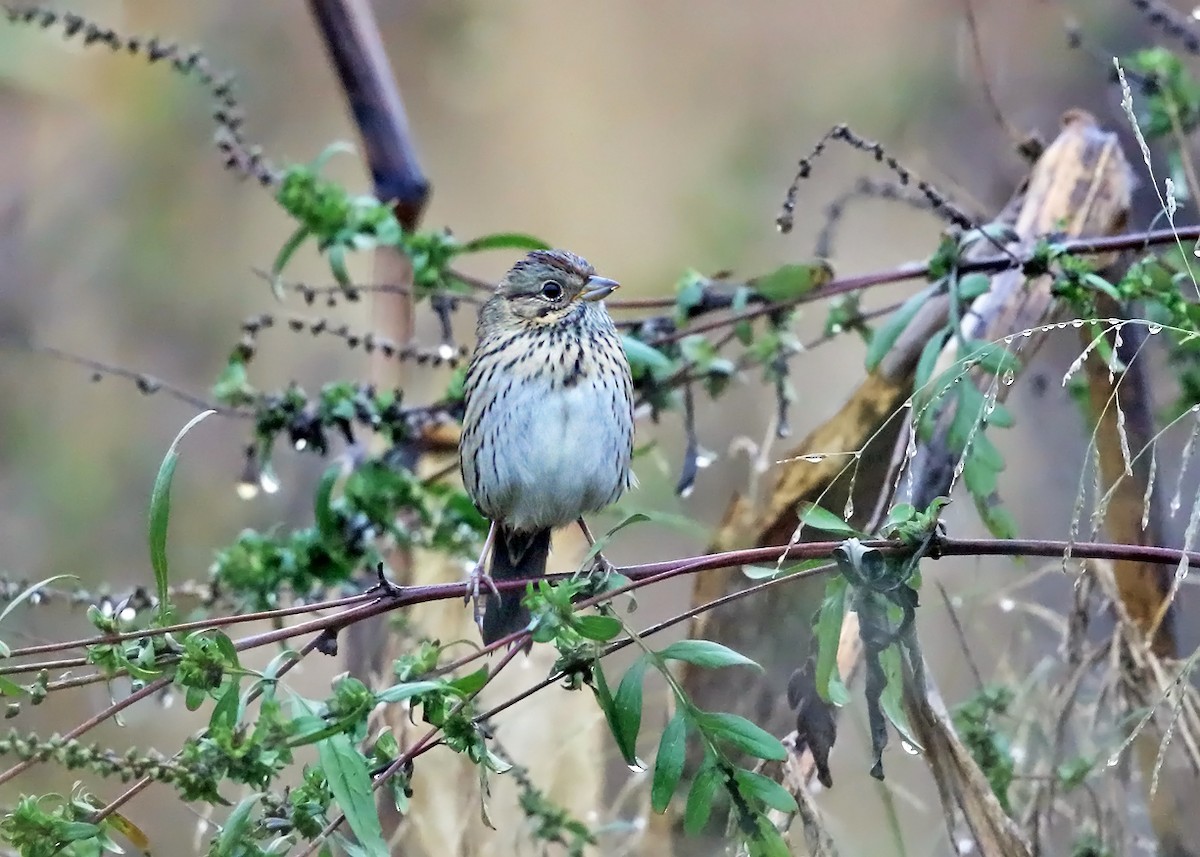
pixel 551 290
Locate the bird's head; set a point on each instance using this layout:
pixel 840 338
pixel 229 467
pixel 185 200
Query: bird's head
pixel 548 285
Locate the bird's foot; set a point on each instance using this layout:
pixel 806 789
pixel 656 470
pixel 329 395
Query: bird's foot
pixel 597 573
pixel 477 580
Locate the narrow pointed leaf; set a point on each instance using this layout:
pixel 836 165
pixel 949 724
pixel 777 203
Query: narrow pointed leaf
pixel 668 764
pixel 160 515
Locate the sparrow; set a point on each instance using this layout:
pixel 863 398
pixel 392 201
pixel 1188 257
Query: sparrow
pixel 548 424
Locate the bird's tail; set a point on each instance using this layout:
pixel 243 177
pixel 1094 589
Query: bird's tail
pixel 514 556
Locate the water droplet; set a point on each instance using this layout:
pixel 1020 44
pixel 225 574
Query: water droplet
pixel 848 511
pixel 1007 605
pixel 1114 760
pixel 268 481
pixel 1153 328
pixel 813 458
pixel 247 490
pixel 128 614
pixel 705 458
pixel 445 351
pixel 106 609
pixel 911 749
pixel 1008 340
pixel 687 491
pixel 167 700
pixel 1072 369
pixel 1062 325
pixel 300 445
pixel 1077 322
pixel 638 766
pixel 1009 377
pixel 907 403
pixel 965 846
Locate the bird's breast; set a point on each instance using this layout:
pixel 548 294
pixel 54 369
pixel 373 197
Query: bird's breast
pixel 555 443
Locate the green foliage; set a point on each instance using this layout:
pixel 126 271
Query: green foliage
pixel 1171 101
pixel 884 593
pixel 975 720
pixel 344 539
pixel 723 737
pixel 56 826
pixel 160 515
pixel 1157 285
pixel 882 588
pixel 548 821
pixel 341 223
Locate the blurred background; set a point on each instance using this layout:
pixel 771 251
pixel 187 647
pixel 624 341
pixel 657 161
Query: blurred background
pixel 650 138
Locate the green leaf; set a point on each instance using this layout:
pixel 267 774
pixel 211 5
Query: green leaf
pixel 1102 285
pixel 309 729
pixel 225 712
pixel 892 699
pixel 336 256
pixel 689 292
pixel 744 735
pixel 600 628
pixel 990 357
pixel 986 451
pixel 700 798
pixel 886 335
pixel 829 633
pixel 9 688
pixel 407 690
pixel 235 830
pixel 1074 772
pixel 194 697
pixel 742 328
pixel 927 363
pixel 897 516
pixel 456 389
pixel 766 841
pixel 973 286
pixel 465 685
pixel 1001 416
pixel 979 477
pixel 350 782
pixel 326 520
pixel 996 518
pixel 285 254
pixel 705 653
pixel 791 282
pixel 646 359
pixel 765 790
pixel 762 572
pixel 623 711
pixel 628 707
pixel 503 241
pixel 30 590
pixel 968 411
pixel 160 515
pixel 668 764
pixel 812 515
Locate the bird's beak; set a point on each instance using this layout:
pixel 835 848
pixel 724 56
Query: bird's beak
pixel 598 288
